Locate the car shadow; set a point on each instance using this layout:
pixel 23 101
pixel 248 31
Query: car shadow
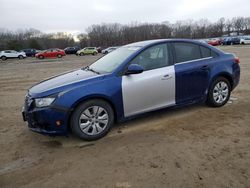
pixel 154 115
pixel 73 141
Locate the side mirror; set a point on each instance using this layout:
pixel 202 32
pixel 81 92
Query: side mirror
pixel 134 69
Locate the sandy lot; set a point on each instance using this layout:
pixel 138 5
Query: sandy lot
pixel 195 146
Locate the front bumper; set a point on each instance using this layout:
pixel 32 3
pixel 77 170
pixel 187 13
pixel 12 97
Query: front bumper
pixel 49 120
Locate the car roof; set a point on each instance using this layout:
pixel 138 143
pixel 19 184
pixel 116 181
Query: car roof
pixel 151 42
pixel 53 49
pixel 148 43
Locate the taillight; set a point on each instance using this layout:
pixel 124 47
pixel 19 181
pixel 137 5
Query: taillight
pixel 237 60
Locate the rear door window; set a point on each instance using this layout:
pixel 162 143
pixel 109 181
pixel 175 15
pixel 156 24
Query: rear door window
pixel 185 51
pixel 205 52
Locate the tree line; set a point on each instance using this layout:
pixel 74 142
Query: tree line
pixel 115 34
pixel 32 38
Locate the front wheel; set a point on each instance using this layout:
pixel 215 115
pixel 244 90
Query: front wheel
pixel 59 56
pixel 92 119
pixel 20 57
pixel 219 92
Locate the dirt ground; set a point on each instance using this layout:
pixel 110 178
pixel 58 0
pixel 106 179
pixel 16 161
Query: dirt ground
pixel 195 146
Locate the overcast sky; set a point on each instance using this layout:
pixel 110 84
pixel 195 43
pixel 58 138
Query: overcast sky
pixel 76 15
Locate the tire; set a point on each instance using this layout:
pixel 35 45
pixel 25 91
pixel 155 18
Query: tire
pixel 4 58
pixel 94 53
pixel 242 43
pixel 219 92
pixel 81 54
pixel 87 114
pixel 59 56
pixel 20 57
pixel 40 57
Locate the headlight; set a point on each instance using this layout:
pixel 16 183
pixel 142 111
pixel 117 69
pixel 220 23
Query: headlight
pixel 42 102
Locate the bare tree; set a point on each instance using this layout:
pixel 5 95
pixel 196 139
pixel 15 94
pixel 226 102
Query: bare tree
pixel 229 26
pixel 115 34
pixel 238 24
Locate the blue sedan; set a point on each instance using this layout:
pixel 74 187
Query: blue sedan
pixel 134 79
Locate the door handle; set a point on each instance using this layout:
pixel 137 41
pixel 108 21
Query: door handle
pixel 166 77
pixel 205 67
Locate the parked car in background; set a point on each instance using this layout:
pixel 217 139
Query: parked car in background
pixel 202 40
pixel 30 52
pixel 87 50
pixel 231 41
pixel 214 42
pixel 245 40
pixel 9 54
pixel 108 50
pixel 51 53
pixel 71 50
pixel 134 79
pixel 99 49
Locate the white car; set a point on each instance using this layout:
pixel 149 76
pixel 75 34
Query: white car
pixel 245 40
pixel 108 50
pixel 8 54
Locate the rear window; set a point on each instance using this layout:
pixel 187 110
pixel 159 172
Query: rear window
pixel 186 52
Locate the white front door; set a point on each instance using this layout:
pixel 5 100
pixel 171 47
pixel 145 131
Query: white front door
pixel 13 54
pixel 149 90
pixel 152 89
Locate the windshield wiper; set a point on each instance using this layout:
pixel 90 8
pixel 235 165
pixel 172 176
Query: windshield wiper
pixel 92 70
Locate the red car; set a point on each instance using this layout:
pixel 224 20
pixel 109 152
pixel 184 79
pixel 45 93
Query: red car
pixel 50 53
pixel 214 42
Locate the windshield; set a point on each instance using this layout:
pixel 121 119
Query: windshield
pixel 110 62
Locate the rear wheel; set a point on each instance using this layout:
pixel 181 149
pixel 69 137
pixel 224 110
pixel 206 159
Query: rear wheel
pixel 92 119
pixel 3 58
pixel 41 57
pixel 59 55
pixel 219 92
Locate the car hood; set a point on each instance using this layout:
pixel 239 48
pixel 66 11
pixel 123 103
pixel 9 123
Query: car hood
pixel 62 82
